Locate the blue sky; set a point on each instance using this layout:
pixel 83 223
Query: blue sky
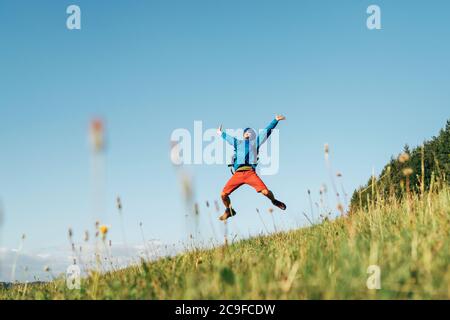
pixel 149 67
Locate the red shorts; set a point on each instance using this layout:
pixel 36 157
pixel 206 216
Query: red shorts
pixel 244 177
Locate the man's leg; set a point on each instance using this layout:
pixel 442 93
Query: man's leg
pixel 232 184
pixel 225 199
pixel 275 202
pixel 229 211
pixel 268 194
pixel 255 181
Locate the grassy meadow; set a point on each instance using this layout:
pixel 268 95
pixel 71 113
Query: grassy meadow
pixel 409 240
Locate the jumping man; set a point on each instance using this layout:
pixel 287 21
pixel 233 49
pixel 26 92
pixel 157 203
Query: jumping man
pixel 245 161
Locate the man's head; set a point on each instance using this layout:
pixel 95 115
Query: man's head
pixel 249 134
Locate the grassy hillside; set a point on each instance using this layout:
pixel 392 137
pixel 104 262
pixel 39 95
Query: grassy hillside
pixel 415 169
pixel 409 241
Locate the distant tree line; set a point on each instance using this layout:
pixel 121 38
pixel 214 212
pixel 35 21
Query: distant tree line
pixel 412 172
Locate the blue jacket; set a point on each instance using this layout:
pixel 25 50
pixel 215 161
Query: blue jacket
pixel 246 151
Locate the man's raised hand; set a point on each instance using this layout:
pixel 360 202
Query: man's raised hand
pixel 219 130
pixel 279 117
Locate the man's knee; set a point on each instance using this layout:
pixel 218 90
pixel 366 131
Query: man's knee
pixel 265 191
pixel 224 195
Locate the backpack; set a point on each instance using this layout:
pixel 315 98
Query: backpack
pixel 231 165
pixel 233 161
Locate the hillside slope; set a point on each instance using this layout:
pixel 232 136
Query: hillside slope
pixel 409 241
pixel 423 165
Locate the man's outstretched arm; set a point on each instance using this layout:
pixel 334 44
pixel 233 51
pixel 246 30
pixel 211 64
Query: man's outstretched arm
pixel 231 140
pixel 265 134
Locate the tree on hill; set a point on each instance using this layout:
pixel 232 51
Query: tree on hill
pixel 413 171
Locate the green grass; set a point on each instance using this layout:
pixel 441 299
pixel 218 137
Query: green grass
pixel 409 241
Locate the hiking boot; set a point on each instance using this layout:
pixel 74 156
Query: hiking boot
pixel 279 204
pixel 229 212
